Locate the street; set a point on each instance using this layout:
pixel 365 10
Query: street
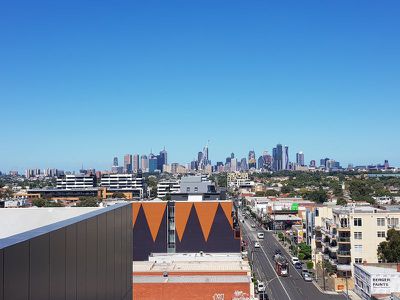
pixel 292 287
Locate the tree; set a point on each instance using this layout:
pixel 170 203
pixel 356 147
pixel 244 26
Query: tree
pixel 118 195
pixel 43 202
pixel 341 201
pixel 318 196
pixel 389 250
pixel 6 193
pixel 87 202
pixel 305 251
pixel 287 189
pixel 271 193
pixel 360 190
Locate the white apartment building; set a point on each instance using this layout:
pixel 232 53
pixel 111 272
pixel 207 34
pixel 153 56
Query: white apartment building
pixel 80 181
pixel 237 179
pixel 167 187
pixel 351 235
pixel 121 181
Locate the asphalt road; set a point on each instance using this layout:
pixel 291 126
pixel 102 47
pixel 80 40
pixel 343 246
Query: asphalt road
pixel 292 287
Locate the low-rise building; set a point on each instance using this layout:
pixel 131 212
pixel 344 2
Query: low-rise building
pixel 373 281
pixel 165 187
pixel 192 276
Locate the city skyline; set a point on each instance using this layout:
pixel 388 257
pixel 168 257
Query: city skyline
pixel 119 160
pixel 322 77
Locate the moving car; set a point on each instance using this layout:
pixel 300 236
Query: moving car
pixel 260 235
pixel 304 272
pixel 295 260
pixel 256 245
pixel 253 225
pixel 278 251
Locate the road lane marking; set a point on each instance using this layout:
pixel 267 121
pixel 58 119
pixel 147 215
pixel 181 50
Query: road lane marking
pixel 286 292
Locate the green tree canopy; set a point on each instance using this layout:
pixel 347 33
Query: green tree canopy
pixel 389 250
pixel 87 202
pixel 318 196
pixel 118 195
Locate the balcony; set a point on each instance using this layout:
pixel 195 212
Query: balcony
pixel 333 248
pixel 343 229
pixel 343 239
pixel 343 267
pixel 344 253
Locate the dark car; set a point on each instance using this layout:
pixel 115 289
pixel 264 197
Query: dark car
pixel 298 265
pixel 278 251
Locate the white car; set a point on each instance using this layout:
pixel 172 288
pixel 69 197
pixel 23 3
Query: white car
pixel 253 225
pixel 260 235
pixel 260 287
pixel 294 260
pixel 256 245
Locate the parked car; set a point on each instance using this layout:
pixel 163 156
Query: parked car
pixel 256 245
pixel 295 260
pixel 260 235
pixel 307 277
pixel 278 251
pixel 260 287
pixel 304 272
pixel 298 265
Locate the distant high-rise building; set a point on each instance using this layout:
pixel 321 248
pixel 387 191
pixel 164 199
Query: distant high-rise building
pixel 277 154
pixel 199 157
pixel 233 164
pixel 243 164
pixel 136 166
pixel 162 159
pixel 386 164
pixel 324 162
pixel 267 160
pixel 232 155
pixel 260 162
pixel 115 162
pixel 286 158
pixel 145 163
pixel 252 160
pixel 152 163
pixel 313 163
pixel 300 158
pixel 128 163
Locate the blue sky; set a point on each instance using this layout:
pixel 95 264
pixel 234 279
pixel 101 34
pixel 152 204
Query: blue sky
pixel 82 81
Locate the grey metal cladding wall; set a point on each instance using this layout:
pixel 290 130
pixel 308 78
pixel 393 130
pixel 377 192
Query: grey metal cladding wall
pixel 110 256
pixel 16 272
pixel 81 261
pixel 57 264
pixel 71 262
pixel 39 288
pixel 101 256
pixel 88 259
pixel 91 259
pixel 1 276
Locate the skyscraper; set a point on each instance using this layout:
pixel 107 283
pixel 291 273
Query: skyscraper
pixel 260 162
pixel 128 163
pixel 286 158
pixel 136 165
pixel 162 159
pixel 277 154
pixel 233 164
pixel 252 159
pixel 300 158
pixel 115 162
pixel 145 163
pixel 152 163
pixel 243 164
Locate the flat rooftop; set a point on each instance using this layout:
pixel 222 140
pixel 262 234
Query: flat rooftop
pixel 380 269
pixel 193 262
pixel 18 220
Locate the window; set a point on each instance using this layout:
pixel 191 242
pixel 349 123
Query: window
pixel 358 260
pixel 381 234
pixel 358 235
pixel 393 222
pixel 357 222
pixel 188 189
pixel 196 189
pixel 358 248
pixel 380 221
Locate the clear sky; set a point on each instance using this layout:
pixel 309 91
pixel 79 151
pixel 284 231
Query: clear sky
pixel 82 81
